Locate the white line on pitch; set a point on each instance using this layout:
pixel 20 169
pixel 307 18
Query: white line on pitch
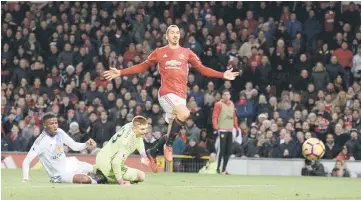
pixel 59 186
pixel 220 186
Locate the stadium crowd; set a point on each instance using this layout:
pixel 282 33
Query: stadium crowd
pixel 300 65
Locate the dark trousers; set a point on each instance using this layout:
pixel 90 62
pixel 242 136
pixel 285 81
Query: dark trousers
pixel 225 149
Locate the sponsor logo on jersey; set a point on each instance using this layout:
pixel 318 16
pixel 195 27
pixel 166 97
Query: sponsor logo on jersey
pixel 58 152
pixel 57 156
pixel 173 64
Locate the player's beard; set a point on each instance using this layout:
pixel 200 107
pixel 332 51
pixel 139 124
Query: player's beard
pixel 174 41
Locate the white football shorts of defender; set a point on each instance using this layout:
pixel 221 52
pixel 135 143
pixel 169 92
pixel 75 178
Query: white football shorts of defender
pixel 50 151
pixel 168 102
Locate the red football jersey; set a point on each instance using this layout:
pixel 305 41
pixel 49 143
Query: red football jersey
pixel 173 67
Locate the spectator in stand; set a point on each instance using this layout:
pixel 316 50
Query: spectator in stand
pixel 149 140
pixel 331 148
pixel 356 63
pixel 75 133
pixel 246 48
pixel 245 109
pixel 13 141
pixel 288 149
pixel 344 55
pixel 180 142
pixel 103 129
pixel 320 77
pixel 343 155
pixel 340 169
pixel 66 56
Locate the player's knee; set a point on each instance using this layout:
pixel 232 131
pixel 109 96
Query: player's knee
pixel 141 176
pixel 182 113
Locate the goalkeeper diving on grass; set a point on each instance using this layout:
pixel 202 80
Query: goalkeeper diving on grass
pixel 110 161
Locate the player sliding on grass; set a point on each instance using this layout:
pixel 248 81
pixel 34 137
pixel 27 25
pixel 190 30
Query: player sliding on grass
pixel 173 67
pixel 49 147
pixel 111 158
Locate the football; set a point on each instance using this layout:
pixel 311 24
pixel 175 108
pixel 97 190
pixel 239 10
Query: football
pixel 313 149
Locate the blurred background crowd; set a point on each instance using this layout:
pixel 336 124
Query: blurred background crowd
pixel 300 65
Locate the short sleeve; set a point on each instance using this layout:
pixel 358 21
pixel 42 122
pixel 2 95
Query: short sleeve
pixel 193 58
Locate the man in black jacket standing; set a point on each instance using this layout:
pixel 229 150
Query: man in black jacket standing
pixel 103 130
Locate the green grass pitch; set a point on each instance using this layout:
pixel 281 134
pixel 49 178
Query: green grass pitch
pixel 181 186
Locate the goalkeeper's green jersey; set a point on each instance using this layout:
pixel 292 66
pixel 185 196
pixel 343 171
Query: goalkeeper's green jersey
pixel 123 143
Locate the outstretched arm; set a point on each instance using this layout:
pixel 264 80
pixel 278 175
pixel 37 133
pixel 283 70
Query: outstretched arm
pixel 196 63
pixel 136 69
pixel 151 60
pixel 35 150
pixel 141 149
pixel 140 146
pixel 142 67
pixel 75 146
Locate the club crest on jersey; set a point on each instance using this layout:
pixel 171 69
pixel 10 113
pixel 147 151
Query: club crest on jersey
pixel 58 149
pixel 181 56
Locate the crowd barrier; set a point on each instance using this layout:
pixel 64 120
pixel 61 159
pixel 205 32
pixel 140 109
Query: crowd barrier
pixel 257 166
pixel 181 163
pixel 282 167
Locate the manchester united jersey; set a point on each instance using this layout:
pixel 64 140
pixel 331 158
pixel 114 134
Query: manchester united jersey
pixel 173 65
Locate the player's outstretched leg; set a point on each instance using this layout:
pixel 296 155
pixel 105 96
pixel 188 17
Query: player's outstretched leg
pixel 182 114
pixel 152 156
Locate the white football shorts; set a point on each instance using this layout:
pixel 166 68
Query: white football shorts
pixel 168 102
pixel 73 166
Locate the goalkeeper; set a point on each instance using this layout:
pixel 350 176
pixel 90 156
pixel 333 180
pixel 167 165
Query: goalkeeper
pixel 110 161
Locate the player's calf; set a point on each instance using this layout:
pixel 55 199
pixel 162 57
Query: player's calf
pixel 182 114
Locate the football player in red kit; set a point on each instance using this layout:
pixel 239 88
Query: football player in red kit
pixel 173 66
